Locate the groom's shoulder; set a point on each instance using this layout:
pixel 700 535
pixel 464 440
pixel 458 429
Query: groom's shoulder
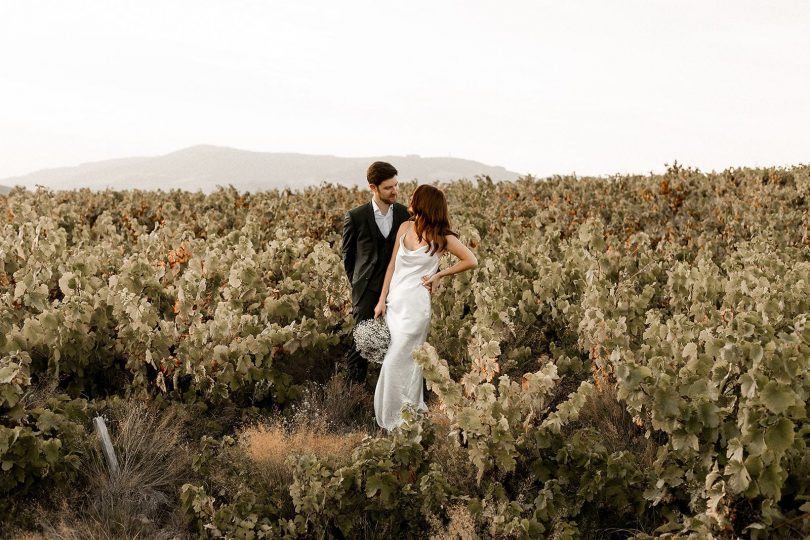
pixel 402 209
pixel 357 209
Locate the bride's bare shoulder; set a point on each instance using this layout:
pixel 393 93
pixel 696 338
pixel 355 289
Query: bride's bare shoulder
pixel 401 230
pixel 453 244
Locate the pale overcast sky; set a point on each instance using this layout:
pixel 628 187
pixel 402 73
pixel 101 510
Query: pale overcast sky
pixel 542 87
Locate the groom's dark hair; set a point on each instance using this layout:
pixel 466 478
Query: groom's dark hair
pixel 380 171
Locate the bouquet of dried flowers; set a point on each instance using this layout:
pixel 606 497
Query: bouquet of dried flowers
pixel 372 338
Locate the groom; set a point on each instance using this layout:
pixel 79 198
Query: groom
pixel 369 232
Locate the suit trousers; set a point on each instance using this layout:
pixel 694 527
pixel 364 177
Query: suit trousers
pixel 364 309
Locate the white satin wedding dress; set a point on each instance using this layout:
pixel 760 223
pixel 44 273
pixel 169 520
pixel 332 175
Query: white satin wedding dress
pixel 407 315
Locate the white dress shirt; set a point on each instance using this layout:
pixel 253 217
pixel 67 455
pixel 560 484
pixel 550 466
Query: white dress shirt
pixel 384 222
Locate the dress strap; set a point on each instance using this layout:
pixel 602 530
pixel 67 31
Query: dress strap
pixel 402 238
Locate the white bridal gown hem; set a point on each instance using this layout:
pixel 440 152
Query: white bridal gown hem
pixel 407 315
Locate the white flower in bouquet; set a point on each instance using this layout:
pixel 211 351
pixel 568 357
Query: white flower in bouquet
pixel 372 338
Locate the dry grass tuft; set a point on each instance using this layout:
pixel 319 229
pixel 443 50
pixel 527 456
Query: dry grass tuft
pixel 117 525
pixel 326 421
pixel 139 501
pixel 340 405
pixel 271 445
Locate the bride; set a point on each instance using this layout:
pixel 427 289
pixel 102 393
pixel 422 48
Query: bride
pixel 410 280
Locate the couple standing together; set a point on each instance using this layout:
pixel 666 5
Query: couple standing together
pixel 391 256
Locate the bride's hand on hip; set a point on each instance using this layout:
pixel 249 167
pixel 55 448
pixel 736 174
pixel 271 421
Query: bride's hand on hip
pixel 379 309
pixel 431 283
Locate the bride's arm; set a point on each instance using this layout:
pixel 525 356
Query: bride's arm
pixel 466 261
pixel 389 272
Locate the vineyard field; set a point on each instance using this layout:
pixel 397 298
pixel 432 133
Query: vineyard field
pixel 630 359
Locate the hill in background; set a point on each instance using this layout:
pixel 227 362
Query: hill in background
pixel 204 167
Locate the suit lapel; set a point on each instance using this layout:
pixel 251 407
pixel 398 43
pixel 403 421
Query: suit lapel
pixel 372 223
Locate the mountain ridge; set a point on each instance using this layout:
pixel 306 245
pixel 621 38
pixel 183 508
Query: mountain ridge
pixel 204 166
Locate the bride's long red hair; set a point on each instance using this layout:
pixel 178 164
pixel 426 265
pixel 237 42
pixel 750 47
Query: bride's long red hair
pixel 430 207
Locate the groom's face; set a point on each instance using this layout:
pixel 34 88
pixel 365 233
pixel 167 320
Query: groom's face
pixel 387 190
